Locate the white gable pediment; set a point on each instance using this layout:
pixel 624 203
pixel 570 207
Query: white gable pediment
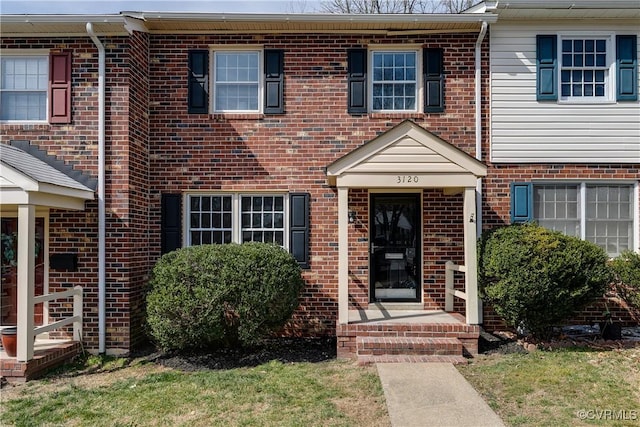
pixel 406 149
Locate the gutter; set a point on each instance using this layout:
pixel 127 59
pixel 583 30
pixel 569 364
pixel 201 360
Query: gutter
pixel 101 192
pixel 478 87
pixel 478 101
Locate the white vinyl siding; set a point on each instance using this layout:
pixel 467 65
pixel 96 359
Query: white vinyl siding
pixel 524 130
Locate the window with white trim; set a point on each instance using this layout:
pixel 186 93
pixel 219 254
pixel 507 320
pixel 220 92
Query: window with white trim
pixel 580 68
pixel 262 219
pixel 240 218
pixel 237 81
pixel 600 213
pixel 585 68
pixel 23 88
pixel 394 82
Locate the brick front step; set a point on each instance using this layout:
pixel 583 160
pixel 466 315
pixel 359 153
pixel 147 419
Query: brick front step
pixel 377 346
pixel 456 360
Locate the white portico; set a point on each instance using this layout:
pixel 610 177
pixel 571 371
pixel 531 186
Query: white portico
pixel 405 158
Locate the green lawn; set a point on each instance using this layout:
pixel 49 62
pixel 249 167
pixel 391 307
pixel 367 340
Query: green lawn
pixel 567 387
pixel 273 394
pixel 561 388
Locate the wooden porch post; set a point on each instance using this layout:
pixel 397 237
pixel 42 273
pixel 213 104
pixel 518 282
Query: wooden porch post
pixel 343 255
pixel 26 281
pixel 470 257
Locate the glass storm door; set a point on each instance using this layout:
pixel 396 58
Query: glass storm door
pixel 395 247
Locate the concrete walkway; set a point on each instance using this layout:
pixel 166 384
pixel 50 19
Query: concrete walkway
pixel 432 394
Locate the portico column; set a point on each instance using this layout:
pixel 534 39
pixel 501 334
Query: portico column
pixel 470 257
pixel 26 281
pixel 343 255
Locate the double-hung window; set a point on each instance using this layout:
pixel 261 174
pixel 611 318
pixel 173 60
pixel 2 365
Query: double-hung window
pixel 35 86
pixel 577 68
pixel 281 219
pixel 394 82
pixel 585 69
pixel 240 218
pixel 601 213
pixel 23 90
pixel 236 80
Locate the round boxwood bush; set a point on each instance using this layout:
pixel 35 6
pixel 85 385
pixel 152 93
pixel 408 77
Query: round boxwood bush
pixel 221 295
pixel 626 268
pixel 537 278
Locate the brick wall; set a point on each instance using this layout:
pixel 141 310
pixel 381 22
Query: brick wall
pixel 199 152
pixel 127 260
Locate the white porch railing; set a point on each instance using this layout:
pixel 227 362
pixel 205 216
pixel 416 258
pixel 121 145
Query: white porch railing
pixel 76 319
pixel 449 280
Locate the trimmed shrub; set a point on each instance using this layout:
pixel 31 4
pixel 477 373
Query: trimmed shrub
pixel 221 295
pixel 626 268
pixel 537 278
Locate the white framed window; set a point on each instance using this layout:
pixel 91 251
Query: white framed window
pixel 263 219
pixel 586 68
pixel 602 213
pixel 24 87
pixel 237 80
pixel 239 218
pixel 210 219
pixel 395 79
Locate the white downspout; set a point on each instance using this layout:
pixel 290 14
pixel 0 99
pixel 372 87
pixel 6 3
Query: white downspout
pixel 478 87
pixel 101 193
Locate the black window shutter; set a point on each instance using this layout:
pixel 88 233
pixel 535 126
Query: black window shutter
pixel 627 65
pixel 521 202
pixel 299 227
pixel 198 82
pixel 274 81
pixel 171 222
pixel 433 80
pixel 547 67
pixel 357 80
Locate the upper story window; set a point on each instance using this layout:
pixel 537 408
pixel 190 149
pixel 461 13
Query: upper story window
pixel 394 82
pixel 243 80
pixel 23 90
pixel 581 69
pixel 35 86
pixel 236 82
pixel 584 71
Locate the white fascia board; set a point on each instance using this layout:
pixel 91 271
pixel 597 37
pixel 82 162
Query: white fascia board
pixel 312 17
pixel 17 178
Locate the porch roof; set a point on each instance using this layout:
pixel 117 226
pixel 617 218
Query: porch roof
pixel 27 180
pixel 406 156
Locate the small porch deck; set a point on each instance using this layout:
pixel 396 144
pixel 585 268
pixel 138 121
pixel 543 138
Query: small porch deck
pixel 48 353
pixel 386 335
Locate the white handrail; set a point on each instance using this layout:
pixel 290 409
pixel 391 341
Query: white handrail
pixel 449 280
pixel 76 319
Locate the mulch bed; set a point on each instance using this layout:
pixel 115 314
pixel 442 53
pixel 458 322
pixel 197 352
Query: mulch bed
pixel 285 350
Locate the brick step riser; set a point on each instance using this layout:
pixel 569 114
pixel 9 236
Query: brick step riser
pixel 368 360
pixel 408 346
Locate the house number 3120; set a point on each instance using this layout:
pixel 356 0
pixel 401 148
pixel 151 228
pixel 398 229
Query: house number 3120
pixel 406 179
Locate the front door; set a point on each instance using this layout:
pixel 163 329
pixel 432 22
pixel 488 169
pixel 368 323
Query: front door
pixel 395 263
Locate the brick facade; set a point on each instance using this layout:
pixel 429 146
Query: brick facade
pixel 154 146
